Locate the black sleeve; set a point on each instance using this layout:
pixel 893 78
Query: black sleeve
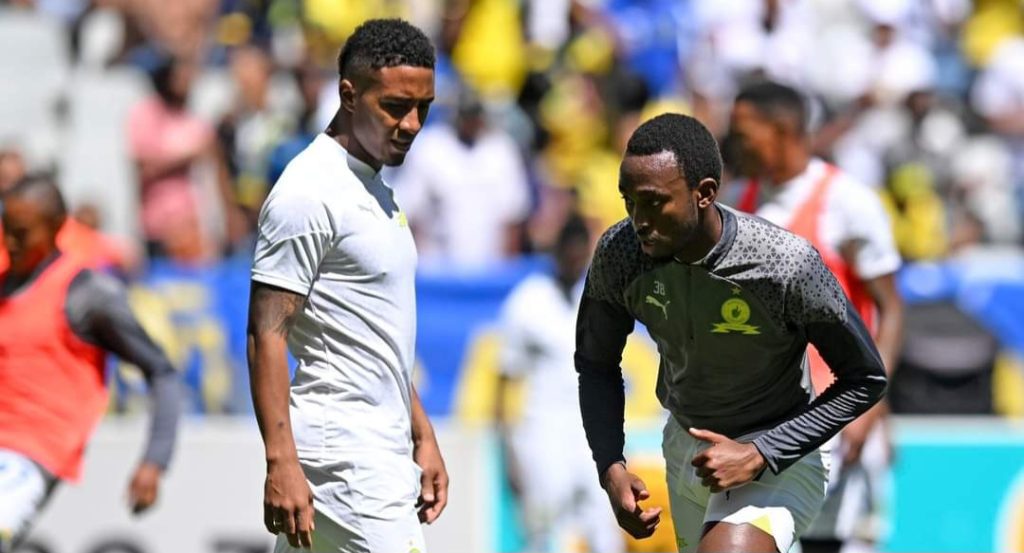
pixel 98 311
pixel 817 305
pixel 602 326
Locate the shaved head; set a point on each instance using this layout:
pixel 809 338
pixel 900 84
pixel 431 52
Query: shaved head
pixel 33 212
pixel 41 191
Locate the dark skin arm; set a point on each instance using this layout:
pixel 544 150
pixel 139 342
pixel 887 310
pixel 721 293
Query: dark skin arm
pixel 287 501
pixel 434 480
pixel 625 491
pixel 888 339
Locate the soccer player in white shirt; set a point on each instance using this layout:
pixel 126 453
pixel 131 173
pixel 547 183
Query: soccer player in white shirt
pixel 352 461
pixel 548 458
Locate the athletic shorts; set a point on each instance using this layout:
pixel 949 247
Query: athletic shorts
pixel 782 505
pixel 24 489
pixel 363 505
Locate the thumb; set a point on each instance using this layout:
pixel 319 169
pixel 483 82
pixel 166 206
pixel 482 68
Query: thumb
pixel 639 489
pixel 707 435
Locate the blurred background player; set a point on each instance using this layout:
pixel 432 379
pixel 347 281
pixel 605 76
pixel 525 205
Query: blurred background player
pixel 732 303
pixel 57 321
pixel 846 222
pixel 546 450
pixel 352 461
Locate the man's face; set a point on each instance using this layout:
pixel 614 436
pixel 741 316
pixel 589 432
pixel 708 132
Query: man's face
pixel 29 234
pixel 389 111
pixel 662 208
pixel 759 140
pixel 572 259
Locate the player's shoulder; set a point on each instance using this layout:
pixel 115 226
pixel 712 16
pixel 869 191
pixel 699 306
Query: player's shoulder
pixel 769 249
pixel 533 290
pixel 618 245
pixel 850 193
pixel 760 238
pixel 618 261
pixel 312 184
pixel 93 282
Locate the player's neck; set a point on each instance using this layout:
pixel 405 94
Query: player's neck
pixel 705 238
pixel 340 131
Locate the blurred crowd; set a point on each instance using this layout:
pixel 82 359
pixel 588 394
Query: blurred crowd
pixel 167 123
pixel 923 99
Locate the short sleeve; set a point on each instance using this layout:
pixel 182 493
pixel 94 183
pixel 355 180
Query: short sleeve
pixel 868 224
pixel 293 237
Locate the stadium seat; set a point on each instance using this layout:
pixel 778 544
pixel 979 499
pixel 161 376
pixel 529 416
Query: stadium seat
pixel 95 165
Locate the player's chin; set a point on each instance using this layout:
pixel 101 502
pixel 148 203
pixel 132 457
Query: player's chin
pixel 394 158
pixel 656 249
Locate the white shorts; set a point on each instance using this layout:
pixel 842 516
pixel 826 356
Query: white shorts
pixel 366 504
pixel 24 489
pixel 562 497
pixel 782 505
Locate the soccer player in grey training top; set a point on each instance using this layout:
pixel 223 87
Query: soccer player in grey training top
pixel 732 302
pixel 352 462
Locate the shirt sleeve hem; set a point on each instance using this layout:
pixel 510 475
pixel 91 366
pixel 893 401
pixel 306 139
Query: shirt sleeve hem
pixel 281 282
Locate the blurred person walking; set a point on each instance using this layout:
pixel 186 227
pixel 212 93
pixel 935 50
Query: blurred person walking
pixel 847 223
pixel 546 450
pixel 732 302
pixel 352 461
pixel 57 321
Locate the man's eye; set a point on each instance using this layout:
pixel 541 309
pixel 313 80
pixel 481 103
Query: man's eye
pixel 395 109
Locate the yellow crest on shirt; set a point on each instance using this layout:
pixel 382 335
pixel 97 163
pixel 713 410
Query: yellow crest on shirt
pixel 403 221
pixel 736 313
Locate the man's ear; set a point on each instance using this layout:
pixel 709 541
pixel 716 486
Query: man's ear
pixel 707 192
pixel 347 92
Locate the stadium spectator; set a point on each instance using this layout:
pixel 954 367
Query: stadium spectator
pixel 464 188
pixel 170 146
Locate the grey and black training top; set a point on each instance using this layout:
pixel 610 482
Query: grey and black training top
pixel 732 331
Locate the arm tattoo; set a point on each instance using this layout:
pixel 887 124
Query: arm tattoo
pixel 273 309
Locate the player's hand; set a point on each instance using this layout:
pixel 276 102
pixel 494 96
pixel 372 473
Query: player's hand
pixel 433 482
pixel 288 503
pixel 144 487
pixel 626 491
pixel 725 464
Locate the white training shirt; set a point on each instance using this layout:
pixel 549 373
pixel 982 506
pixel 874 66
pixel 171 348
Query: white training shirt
pixel 538 325
pixel 853 212
pixel 331 231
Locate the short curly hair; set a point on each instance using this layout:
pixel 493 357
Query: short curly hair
pixel 776 102
pixel 695 148
pixel 379 43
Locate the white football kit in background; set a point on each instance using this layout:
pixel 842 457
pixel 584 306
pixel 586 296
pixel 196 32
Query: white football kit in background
pixel 560 488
